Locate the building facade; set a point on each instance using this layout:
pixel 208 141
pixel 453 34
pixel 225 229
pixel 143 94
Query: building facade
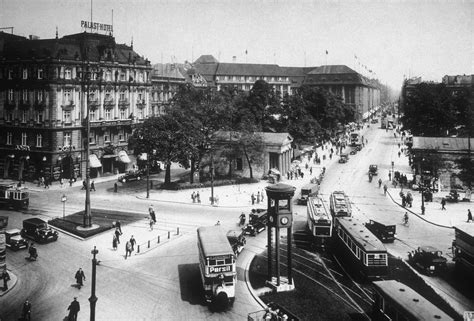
pixel 47 87
pixel 165 79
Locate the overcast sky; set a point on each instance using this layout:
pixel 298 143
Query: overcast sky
pixel 392 38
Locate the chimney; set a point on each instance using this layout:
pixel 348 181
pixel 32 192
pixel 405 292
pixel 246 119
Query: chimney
pixel 234 59
pixel 33 37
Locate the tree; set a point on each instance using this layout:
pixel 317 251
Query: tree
pixel 162 138
pixel 466 170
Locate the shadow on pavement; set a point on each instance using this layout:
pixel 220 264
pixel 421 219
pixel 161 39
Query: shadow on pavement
pixel 190 284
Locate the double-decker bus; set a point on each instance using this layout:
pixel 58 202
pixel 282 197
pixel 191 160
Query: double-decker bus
pixel 339 204
pixel 319 221
pixel 463 248
pixel 217 265
pixel 14 197
pixel 394 300
pixel 359 248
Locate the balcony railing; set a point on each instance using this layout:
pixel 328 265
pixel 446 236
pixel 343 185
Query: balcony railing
pixel 68 105
pixel 109 103
pixel 93 103
pixel 123 103
pixel 141 103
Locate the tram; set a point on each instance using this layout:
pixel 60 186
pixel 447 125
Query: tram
pixel 359 248
pixel 339 204
pixel 17 198
pixel 319 222
pixel 463 248
pixel 217 265
pixel 394 300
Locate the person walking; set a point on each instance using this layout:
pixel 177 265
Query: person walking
pixel 193 197
pixel 93 186
pixel 115 187
pixel 252 197
pixel 385 189
pixel 114 242
pixel 80 276
pixel 74 309
pixel 258 197
pixel 198 197
pixel 133 242
pixel 128 249
pixel 443 204
pixel 61 182
pixel 151 210
pixel 380 182
pixel 26 311
pixel 151 224
pixel 405 219
pixel 118 226
pixel 469 216
pixel 389 176
pixel 6 278
pixel 117 234
pixel 84 185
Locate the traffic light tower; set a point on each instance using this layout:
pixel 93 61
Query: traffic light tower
pixel 280 215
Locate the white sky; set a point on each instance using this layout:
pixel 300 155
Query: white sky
pixel 392 38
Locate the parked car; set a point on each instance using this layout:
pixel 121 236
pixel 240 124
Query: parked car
pixel 131 176
pixel 428 259
pixel 373 169
pixel 38 230
pixel 14 240
pixel 236 240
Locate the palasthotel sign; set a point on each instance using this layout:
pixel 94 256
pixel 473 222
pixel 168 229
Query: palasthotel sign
pixel 96 26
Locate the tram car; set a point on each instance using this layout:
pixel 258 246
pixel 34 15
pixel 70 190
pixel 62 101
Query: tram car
pixel 319 222
pixel 17 198
pixel 463 248
pixel 394 300
pixel 217 264
pixel 339 204
pixel 359 249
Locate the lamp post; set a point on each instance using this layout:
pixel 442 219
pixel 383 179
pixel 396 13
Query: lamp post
pixel 148 173
pixel 64 199
pixel 93 298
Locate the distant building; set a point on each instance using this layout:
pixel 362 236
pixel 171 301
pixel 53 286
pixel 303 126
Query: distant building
pixel 165 80
pixel 354 89
pixel 46 86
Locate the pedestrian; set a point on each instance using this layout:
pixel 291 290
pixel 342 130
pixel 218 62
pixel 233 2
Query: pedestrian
pixel 128 249
pixel 6 278
pixel 114 242
pixel 74 309
pixel 389 176
pixel 258 197
pixel 46 183
pixel 84 185
pixel 151 224
pixel 469 216
pixel 26 311
pixel 252 197
pixel 218 223
pixel 115 187
pixel 443 204
pixel 399 154
pixel 61 182
pixel 198 197
pixel 133 243
pixel 311 169
pixel 117 234
pixel 80 276
pixel 385 189
pixel 262 196
pixel 93 186
pixel 71 181
pixel 193 197
pixel 118 226
pixel 380 182
pixel 288 175
pixel 151 210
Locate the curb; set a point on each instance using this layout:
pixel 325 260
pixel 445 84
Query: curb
pixel 249 286
pixel 143 198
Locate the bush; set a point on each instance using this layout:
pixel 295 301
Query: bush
pixel 180 185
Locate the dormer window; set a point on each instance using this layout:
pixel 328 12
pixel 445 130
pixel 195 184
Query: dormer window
pixel 40 74
pixel 10 74
pixel 68 73
pixel 108 75
pixel 140 77
pixel 25 73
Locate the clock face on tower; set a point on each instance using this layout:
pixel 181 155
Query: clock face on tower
pixel 284 220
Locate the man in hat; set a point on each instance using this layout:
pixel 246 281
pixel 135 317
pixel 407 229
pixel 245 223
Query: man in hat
pixel 74 309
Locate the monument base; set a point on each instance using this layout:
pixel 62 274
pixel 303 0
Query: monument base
pixel 284 284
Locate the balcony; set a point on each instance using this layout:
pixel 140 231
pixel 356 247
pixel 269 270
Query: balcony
pixel 93 103
pixel 141 103
pixel 68 105
pixel 109 103
pixel 123 104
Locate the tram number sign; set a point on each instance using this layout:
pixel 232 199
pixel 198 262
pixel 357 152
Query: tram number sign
pixel 220 269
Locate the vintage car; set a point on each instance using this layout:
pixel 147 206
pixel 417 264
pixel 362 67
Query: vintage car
pixel 307 191
pixel 428 259
pixel 343 158
pixel 38 230
pixel 14 240
pixel 373 169
pixel 236 240
pixel 257 222
pixel 131 176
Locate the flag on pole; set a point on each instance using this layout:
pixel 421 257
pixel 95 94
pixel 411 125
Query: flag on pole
pixel 246 51
pixel 326 52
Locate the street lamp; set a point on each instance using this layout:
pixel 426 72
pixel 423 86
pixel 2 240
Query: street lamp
pixel 148 174
pixel 64 199
pixel 93 298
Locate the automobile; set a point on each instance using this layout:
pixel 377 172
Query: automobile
pixel 428 259
pixel 343 158
pixel 373 169
pixel 257 222
pixel 307 191
pixel 236 240
pixel 38 230
pixel 353 151
pixel 131 176
pixel 14 240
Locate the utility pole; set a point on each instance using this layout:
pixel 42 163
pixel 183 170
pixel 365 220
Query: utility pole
pixel 93 298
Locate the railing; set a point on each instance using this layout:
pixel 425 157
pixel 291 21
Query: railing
pixel 152 243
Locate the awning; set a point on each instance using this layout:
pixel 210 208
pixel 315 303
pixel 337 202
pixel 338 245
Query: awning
pixel 94 162
pixel 124 157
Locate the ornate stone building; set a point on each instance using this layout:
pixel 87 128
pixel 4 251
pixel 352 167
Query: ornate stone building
pixel 46 87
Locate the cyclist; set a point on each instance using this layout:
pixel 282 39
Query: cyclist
pixel 405 218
